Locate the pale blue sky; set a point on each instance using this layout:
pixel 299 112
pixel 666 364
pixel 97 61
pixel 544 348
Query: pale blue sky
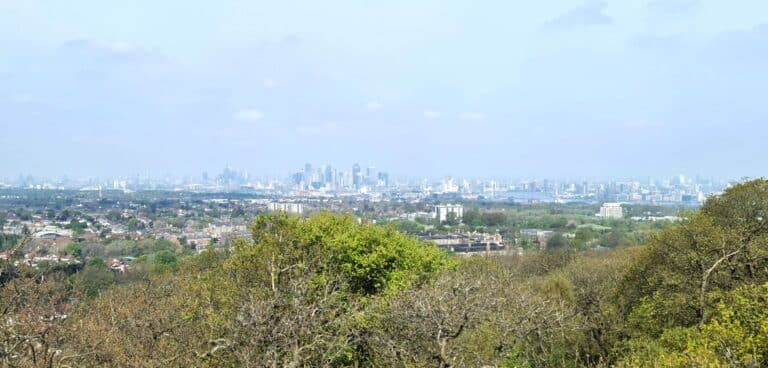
pixel 482 88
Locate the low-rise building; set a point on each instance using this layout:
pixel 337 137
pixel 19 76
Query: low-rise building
pixel 445 211
pixel 292 208
pixel 468 243
pixel 611 210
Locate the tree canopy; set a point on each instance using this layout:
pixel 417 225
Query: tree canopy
pixel 331 291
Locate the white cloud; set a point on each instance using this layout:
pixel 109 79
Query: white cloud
pixel 269 83
pixel 472 116
pixel 249 115
pixel 431 114
pixel 374 105
pixel 121 47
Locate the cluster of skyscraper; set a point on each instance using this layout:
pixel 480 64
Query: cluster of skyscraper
pixel 328 178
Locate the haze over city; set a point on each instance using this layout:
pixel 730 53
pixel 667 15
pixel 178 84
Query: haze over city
pixel 559 89
pixel 422 184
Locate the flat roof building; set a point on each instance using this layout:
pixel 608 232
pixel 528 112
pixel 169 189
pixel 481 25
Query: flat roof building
pixel 293 208
pixel 611 210
pixel 442 212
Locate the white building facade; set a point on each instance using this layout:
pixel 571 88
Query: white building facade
pixel 611 210
pixel 442 212
pixel 293 208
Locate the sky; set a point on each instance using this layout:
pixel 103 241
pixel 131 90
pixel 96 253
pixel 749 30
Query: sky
pixel 559 88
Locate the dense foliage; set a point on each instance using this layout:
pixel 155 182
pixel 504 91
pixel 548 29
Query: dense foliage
pixel 329 291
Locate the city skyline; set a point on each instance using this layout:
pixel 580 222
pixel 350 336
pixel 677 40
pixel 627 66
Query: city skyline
pixel 372 183
pixel 288 174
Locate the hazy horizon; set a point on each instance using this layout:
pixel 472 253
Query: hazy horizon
pixel 561 89
pixel 285 174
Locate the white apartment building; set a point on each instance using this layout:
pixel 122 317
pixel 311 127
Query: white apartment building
pixel 442 211
pixel 611 210
pixel 294 208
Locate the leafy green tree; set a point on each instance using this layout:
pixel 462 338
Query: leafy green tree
pixel 114 216
pixel 94 278
pixel 372 258
pixel 472 217
pixel 74 250
pixel 164 261
pixel 583 237
pixel 134 224
pixel 493 219
pixel 451 219
pixel 408 227
pixel 591 280
pixel 295 294
pixel 735 336
pixel 722 247
pixel 76 226
pixel 8 241
pixel 23 214
pixel 615 239
pixel 557 241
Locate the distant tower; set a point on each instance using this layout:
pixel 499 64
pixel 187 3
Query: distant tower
pixel 307 173
pixel 383 179
pixel 328 176
pixel 370 175
pixel 357 176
